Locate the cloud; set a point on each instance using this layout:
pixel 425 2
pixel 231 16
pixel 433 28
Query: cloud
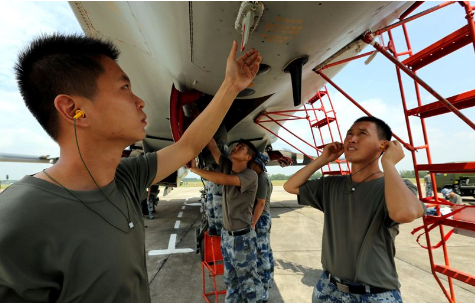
pixel 20 133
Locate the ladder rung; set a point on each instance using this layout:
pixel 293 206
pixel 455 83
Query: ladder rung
pixel 439 49
pixel 323 122
pixel 317 97
pixel 461 101
pixel 462 167
pixel 336 173
pixel 455 273
pixel 460 224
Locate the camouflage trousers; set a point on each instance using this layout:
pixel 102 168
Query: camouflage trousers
pixel 150 208
pixel 429 192
pixel 240 268
pixel 327 292
pixel 265 258
pixel 214 207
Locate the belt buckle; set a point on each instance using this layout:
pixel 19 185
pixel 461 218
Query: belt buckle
pixel 342 287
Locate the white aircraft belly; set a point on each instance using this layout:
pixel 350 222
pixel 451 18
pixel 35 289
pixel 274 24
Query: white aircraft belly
pixel 187 43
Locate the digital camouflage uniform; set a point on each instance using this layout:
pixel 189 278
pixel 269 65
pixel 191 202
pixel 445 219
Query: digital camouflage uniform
pixel 265 258
pixel 428 181
pixel 213 207
pixel 240 251
pixel 327 292
pixel 241 277
pixel 214 197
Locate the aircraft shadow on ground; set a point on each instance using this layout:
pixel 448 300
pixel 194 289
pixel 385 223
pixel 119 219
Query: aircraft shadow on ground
pixel 282 207
pixel 310 275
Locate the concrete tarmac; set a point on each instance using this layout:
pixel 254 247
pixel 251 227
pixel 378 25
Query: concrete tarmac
pixel 175 273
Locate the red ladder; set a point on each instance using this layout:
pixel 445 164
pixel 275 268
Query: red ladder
pixel 430 54
pixel 329 116
pixel 318 118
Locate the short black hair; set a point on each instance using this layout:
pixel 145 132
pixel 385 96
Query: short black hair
pixel 384 131
pixel 59 64
pixel 251 150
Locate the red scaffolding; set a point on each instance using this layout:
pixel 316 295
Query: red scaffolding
pixel 319 118
pixel 410 66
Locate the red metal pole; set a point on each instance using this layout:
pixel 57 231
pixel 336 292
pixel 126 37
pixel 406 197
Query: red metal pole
pixel 411 9
pixel 469 17
pixel 283 140
pixel 427 11
pixel 314 147
pixel 311 128
pixel 423 123
pixel 408 125
pixel 368 38
pixel 432 264
pixel 407 146
pixel 336 121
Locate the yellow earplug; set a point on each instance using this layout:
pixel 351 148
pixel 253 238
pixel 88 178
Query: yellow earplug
pixel 79 114
pixel 382 147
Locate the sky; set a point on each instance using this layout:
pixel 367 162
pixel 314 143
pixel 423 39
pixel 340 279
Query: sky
pixel 374 86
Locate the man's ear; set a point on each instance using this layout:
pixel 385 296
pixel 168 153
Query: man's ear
pixel 68 107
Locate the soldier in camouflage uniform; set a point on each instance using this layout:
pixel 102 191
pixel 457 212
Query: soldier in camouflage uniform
pixel 261 223
pixel 214 197
pixel 238 239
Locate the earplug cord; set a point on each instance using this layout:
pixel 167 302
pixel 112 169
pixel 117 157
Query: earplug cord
pixel 129 221
pixel 94 180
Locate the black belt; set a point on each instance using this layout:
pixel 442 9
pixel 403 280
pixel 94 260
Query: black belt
pixel 239 232
pixel 355 288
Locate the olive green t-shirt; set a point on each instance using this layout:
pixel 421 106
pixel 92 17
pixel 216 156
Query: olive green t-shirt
pixel 456 199
pixel 54 249
pixel 358 234
pixel 264 190
pixel 238 201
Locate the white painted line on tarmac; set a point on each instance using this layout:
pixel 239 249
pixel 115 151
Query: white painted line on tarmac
pixel 172 242
pixel 180 214
pixel 171 248
pixel 177 224
pixel 183 207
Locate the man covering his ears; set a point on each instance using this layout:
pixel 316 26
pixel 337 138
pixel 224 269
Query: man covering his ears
pixel 362 214
pixel 74 232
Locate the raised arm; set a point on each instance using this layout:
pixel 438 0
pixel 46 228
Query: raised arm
pixel 213 148
pixel 330 153
pixel 403 206
pixel 217 177
pixel 239 74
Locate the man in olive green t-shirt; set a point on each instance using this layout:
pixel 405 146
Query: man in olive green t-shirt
pixel 74 232
pixel 362 212
pixel 238 239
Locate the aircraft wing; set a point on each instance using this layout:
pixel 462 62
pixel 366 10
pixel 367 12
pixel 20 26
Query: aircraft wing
pixel 5 157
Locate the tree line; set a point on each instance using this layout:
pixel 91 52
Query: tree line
pixel 403 173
